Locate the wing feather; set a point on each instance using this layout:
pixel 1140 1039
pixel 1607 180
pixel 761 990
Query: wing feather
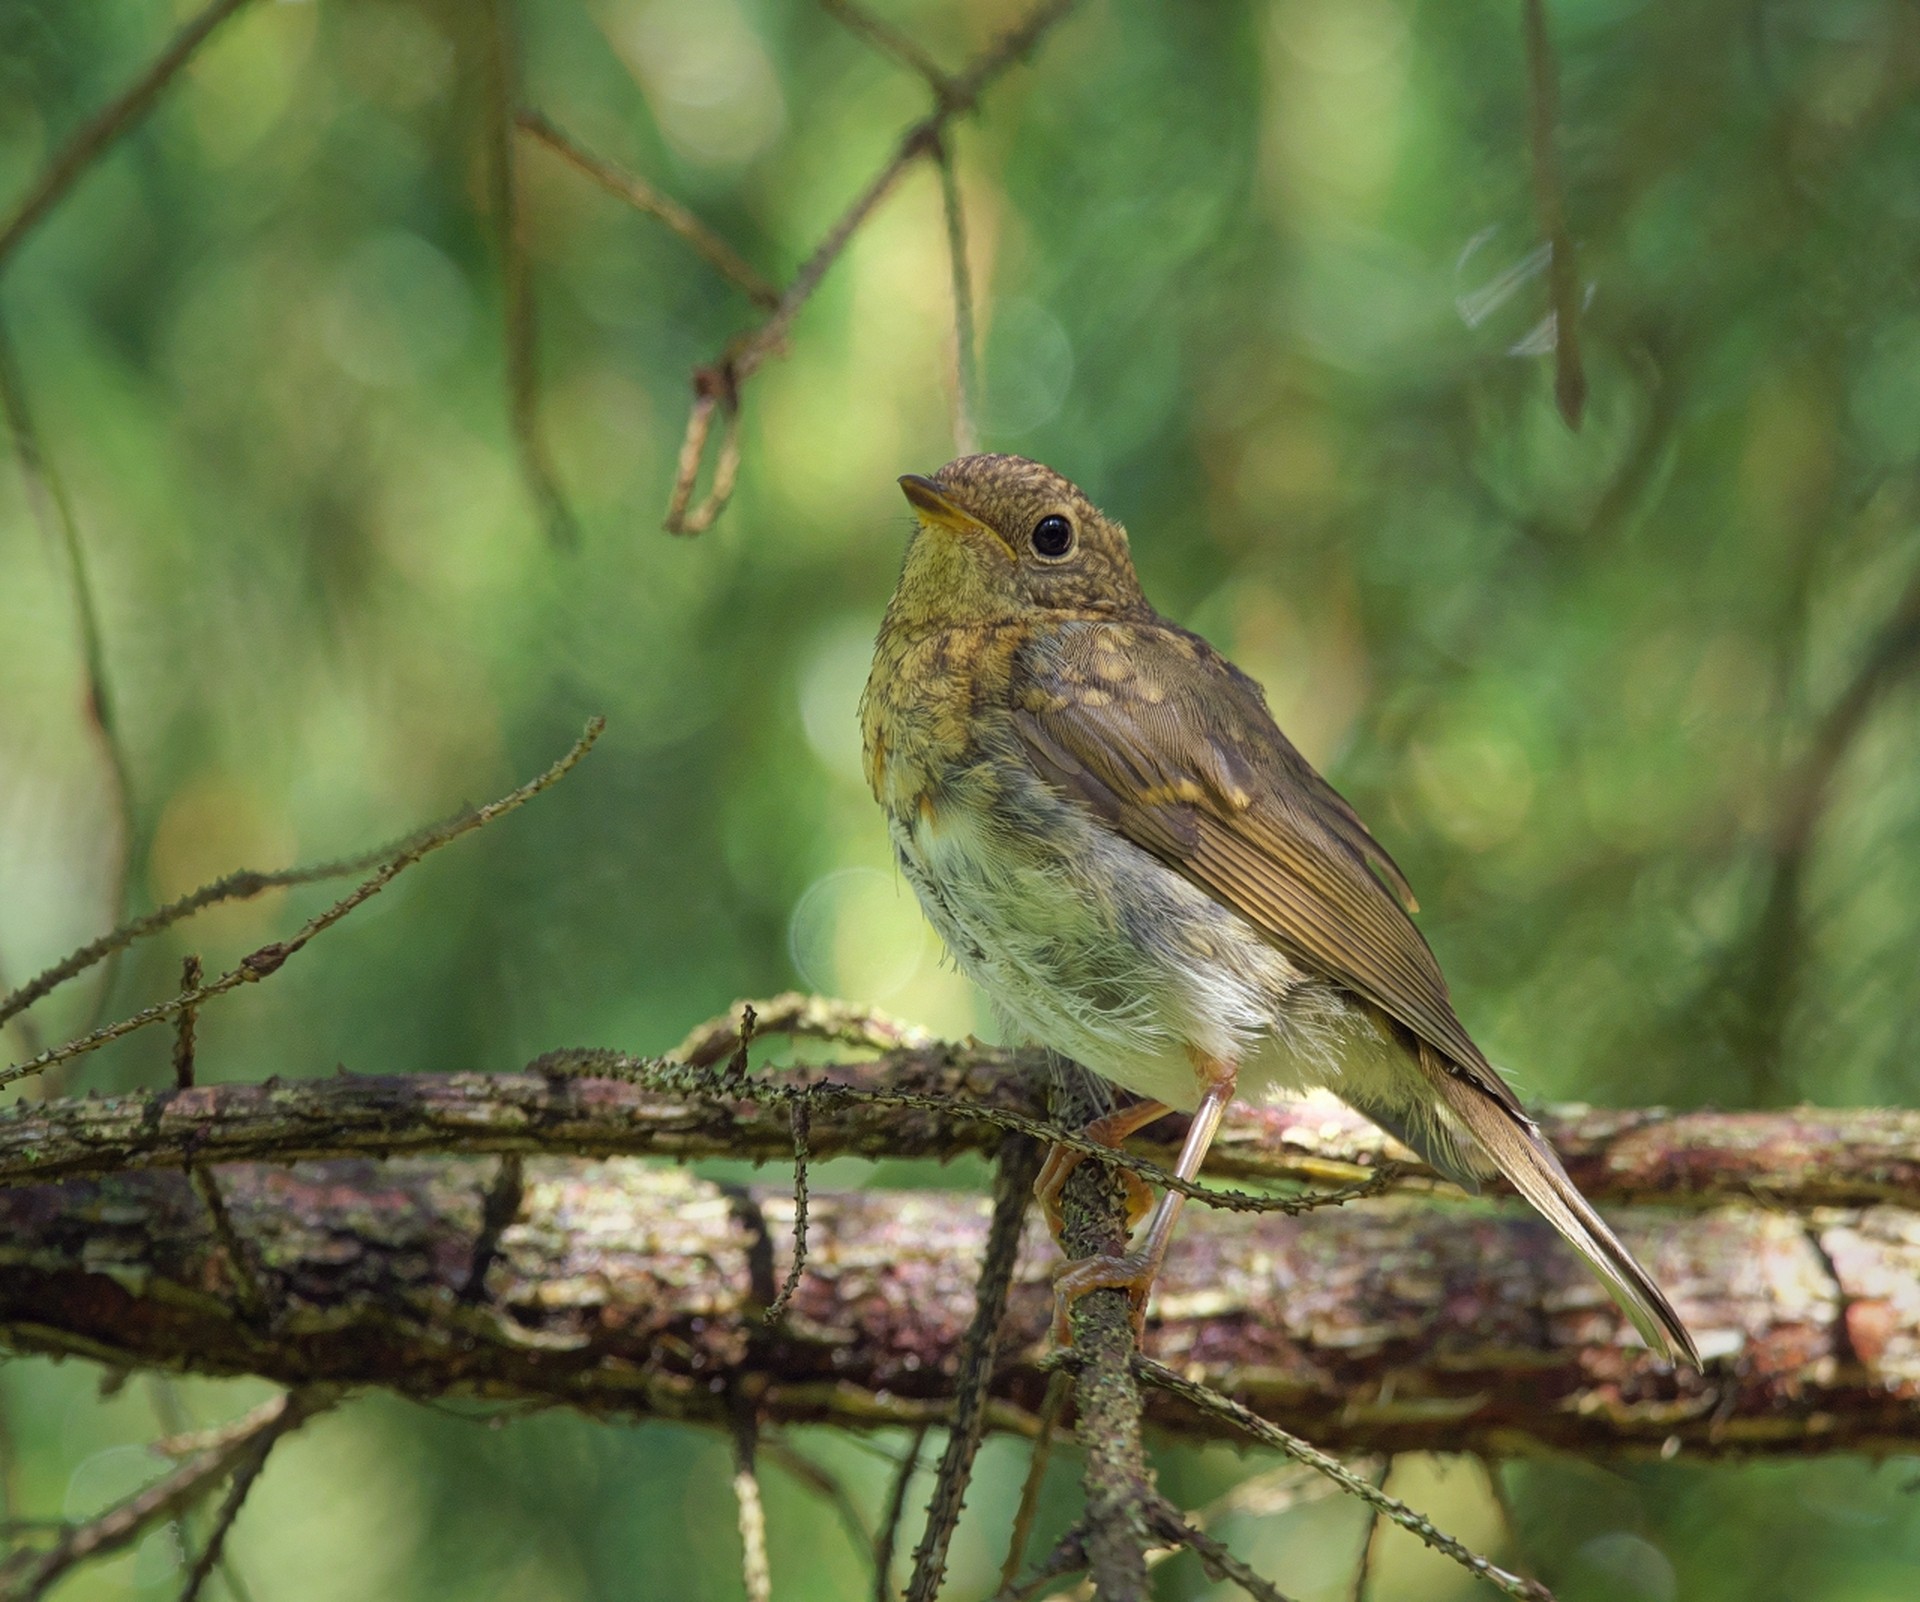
pixel 1176 750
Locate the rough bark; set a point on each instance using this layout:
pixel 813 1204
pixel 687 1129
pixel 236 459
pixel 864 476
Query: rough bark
pixel 1801 1157
pixel 627 1288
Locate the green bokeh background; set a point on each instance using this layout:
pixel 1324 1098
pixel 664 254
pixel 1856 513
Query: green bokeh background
pixel 1261 276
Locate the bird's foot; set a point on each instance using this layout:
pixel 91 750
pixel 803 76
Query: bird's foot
pixel 1058 1169
pixel 1132 1272
pixel 1107 1131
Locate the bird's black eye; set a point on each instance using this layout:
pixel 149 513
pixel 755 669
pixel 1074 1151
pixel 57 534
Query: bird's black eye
pixel 1053 536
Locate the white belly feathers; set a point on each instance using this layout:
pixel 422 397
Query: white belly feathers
pixel 1091 946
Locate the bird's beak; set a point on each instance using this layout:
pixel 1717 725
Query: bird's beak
pixel 930 503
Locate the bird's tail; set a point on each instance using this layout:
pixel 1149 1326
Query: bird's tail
pixel 1514 1146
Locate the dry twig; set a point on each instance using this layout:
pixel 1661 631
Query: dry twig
pixel 1550 202
pixel 98 135
pixel 268 959
pixel 642 196
pixel 29 1574
pixel 717 384
pixel 1208 1400
pixel 1016 1171
pixel 499 54
pixel 888 1536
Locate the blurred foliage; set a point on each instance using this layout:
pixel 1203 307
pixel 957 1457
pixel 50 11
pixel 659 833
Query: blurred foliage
pixel 1632 705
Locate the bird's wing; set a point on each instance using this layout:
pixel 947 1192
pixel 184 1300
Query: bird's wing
pixel 1175 749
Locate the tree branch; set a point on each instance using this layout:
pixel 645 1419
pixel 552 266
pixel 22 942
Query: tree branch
pixel 1803 1157
pixel 635 1290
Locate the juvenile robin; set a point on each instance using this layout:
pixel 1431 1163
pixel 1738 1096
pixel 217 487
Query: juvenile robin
pixel 1116 841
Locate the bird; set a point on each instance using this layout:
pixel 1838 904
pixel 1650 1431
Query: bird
pixel 1113 838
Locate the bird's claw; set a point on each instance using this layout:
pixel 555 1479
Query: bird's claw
pixel 1132 1272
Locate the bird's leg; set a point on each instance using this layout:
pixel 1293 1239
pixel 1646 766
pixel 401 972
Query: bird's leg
pixel 1108 1131
pixel 1134 1271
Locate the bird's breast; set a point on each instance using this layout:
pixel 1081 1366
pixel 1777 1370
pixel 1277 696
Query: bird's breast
pixel 934 700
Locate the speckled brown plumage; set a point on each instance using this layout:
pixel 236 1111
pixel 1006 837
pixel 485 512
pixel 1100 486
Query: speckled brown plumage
pixel 1115 839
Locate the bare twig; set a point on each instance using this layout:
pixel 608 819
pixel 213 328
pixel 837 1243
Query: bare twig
pixel 966 435
pixel 1772 955
pixel 754 1572
pixel 888 1536
pixel 1068 1556
pixel 717 385
pixel 800 1158
pixel 642 196
pixel 824 1483
pixel 240 886
pixel 1059 1388
pixel 890 41
pixel 1210 1401
pixel 213 1554
pixel 191 975
pixel 1018 1167
pixel 1116 1486
pixel 53 509
pixel 523 370
pixel 802 1016
pixel 29 1575
pixel 1165 1520
pixel 1549 192
pixel 268 959
pixel 1363 1564
pixel 95 137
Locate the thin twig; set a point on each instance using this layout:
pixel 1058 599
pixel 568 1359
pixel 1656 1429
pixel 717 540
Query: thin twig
pixel 1018 1167
pixel 801 1155
pixel 1211 1402
pixel 1068 1556
pixel 754 1572
pixel 523 370
pixel 247 1294
pixel 966 434
pixel 795 1013
pixel 268 959
pixel 1550 202
pixel 717 385
pixel 240 886
pixel 1059 1388
pixel 890 41
pixel 94 138
pixel 824 1483
pixel 1165 1520
pixel 53 509
pixel 213 1554
pixel 191 975
pixel 888 1536
pixel 642 196
pixel 27 1576
pixel 1363 1566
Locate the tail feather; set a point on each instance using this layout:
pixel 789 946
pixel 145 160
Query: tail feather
pixel 1514 1146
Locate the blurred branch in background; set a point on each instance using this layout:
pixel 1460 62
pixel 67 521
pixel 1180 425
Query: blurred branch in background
pixel 643 197
pixel 53 509
pixel 717 384
pixel 268 959
pixel 236 1453
pixel 97 136
pixel 1774 956
pixel 500 55
pixel 1550 206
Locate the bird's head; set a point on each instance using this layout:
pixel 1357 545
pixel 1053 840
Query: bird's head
pixel 1000 536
